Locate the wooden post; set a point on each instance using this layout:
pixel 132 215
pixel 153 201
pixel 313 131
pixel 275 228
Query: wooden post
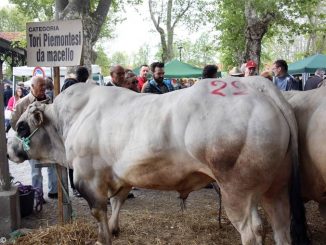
pixel 64 205
pixel 4 167
pixel 9 198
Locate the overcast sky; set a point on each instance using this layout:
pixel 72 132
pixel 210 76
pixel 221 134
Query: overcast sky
pixel 134 32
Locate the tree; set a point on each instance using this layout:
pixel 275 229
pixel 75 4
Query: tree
pixel 103 61
pixel 258 19
pixel 12 20
pixel 92 12
pixel 93 18
pixel 40 10
pixel 120 58
pixel 229 20
pixel 315 28
pixel 166 16
pixel 141 57
pixel 244 25
pixel 199 53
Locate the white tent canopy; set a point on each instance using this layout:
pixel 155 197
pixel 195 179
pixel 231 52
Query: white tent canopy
pixel 25 71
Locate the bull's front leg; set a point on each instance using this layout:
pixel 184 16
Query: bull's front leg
pixel 116 203
pixel 96 196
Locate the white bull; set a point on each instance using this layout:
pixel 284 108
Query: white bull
pixel 240 133
pixel 310 112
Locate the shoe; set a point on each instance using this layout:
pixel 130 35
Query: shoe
pixel 130 195
pixel 53 195
pixel 76 193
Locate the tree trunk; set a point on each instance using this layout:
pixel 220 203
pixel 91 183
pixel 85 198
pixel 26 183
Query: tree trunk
pixel 170 31
pixel 307 52
pixel 256 28
pixel 160 30
pixel 322 45
pixel 1 73
pixel 167 38
pixel 92 22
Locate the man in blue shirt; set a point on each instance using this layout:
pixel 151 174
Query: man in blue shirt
pixel 282 79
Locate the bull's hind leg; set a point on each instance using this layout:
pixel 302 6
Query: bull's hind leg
pixel 96 196
pixel 278 210
pixel 241 209
pixel 116 203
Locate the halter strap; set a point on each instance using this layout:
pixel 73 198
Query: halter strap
pixel 26 141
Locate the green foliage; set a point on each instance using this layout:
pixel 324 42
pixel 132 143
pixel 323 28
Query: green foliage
pixel 41 10
pixel 120 58
pixel 292 19
pixel 230 22
pixel 103 61
pixel 12 20
pixel 199 53
pixel 141 57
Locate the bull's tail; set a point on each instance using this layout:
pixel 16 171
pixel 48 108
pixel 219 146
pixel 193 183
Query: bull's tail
pixel 298 218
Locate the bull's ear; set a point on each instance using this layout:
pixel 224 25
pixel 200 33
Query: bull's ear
pixel 38 117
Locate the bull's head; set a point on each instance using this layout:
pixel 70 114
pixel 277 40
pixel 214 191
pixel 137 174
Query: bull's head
pixel 32 140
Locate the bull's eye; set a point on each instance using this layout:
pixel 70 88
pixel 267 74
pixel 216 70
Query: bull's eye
pixel 23 130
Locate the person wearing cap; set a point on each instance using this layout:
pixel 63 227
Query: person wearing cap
pixel 236 72
pixel 250 68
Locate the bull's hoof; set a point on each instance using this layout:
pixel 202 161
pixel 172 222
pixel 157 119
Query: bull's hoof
pixel 116 232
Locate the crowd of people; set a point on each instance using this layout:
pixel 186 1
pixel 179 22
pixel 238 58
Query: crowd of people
pixel 42 90
pixel 279 75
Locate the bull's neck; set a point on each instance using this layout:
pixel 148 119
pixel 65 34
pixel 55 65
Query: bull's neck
pixel 52 126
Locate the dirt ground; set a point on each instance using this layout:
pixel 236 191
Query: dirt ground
pixel 154 218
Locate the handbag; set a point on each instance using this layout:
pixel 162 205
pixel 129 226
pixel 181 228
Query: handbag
pixel 8 114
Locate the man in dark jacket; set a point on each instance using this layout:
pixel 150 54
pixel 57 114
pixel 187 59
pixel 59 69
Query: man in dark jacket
pixel 157 85
pixel 7 93
pixel 282 79
pixel 313 81
pixel 117 73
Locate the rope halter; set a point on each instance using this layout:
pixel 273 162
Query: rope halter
pixel 26 141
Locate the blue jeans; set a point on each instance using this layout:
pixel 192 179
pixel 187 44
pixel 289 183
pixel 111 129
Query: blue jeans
pixel 37 177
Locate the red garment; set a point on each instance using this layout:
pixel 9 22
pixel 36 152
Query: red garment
pixel 11 103
pixel 141 81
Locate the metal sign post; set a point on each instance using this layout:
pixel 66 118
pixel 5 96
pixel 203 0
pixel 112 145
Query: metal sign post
pixel 4 167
